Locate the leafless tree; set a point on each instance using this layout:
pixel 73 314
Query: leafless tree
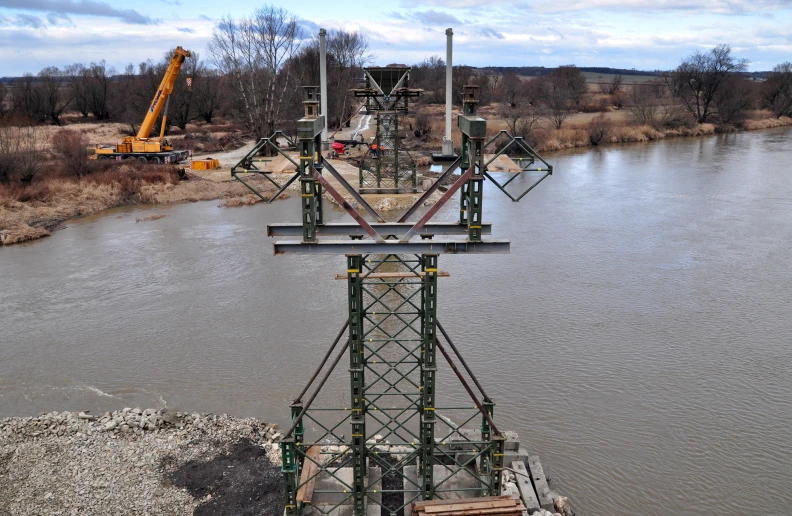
pixel 698 78
pixel 71 147
pixel 252 52
pixel 26 98
pixel 21 153
pixel 570 79
pixel 429 75
pixel 4 109
pixel 97 89
pixel 521 119
pixel 78 78
pixel 733 99
pixel 557 98
pixel 208 94
pixel 613 86
pixel 511 89
pixel 777 90
pixel 56 95
pixel 651 103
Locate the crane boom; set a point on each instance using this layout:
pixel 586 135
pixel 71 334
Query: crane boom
pixel 163 92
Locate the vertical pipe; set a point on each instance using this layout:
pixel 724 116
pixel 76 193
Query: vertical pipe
pixel 323 82
pixel 449 88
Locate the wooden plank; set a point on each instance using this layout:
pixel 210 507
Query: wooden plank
pixel 479 504
pixel 428 503
pixel 525 485
pixel 502 511
pixel 305 492
pixel 540 483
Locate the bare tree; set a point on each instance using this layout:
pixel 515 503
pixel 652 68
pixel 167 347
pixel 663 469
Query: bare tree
pixel 26 98
pixel 348 52
pixel 252 52
pixel 4 109
pixel 55 93
pixel 521 119
pixel 557 98
pixel 71 147
pixel 651 103
pixel 429 75
pixel 569 78
pixel 511 89
pixel 208 94
pixel 97 89
pixel 78 78
pixel 613 86
pixel 777 90
pixel 698 78
pixel 21 153
pixel 733 99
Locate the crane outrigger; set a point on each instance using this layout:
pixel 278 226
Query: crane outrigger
pixel 142 147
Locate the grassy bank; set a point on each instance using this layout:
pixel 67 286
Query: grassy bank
pixel 34 211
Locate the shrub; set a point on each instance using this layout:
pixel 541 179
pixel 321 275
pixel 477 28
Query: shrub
pixel 71 147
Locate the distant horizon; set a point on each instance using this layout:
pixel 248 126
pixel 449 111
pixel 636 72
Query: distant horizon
pixel 645 35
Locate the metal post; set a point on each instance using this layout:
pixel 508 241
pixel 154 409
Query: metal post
pixel 475 190
pixel 428 372
pixel 448 144
pixel 356 372
pixel 323 83
pixel 465 165
pixel 308 190
pixel 290 475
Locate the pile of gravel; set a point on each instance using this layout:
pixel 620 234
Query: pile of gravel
pixel 135 461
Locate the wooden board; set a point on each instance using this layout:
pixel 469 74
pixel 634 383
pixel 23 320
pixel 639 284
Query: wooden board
pixel 540 483
pixel 428 503
pixel 483 504
pixel 305 492
pixel 526 486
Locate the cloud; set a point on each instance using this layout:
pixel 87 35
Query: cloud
pixel 432 17
pixel 711 6
pixel 27 20
pixel 59 19
pixel 186 29
pixel 490 33
pixel 84 7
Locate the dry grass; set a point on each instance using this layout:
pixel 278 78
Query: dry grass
pixel 246 200
pixel 767 123
pixel 34 211
pixel 156 216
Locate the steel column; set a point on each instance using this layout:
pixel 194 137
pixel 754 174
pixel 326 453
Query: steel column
pixel 428 373
pixel 356 373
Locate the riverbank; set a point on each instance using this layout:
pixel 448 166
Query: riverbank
pixel 28 213
pixel 135 461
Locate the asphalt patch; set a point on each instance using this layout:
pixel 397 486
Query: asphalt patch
pixel 242 482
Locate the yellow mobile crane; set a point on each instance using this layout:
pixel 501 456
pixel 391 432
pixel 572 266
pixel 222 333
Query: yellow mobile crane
pixel 141 147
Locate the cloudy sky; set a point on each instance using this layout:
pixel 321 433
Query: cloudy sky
pixel 641 34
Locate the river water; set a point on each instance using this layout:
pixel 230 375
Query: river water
pixel 637 336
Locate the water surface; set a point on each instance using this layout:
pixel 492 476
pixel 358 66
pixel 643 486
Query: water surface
pixel 637 336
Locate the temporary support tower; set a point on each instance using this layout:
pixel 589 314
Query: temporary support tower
pixel 394 440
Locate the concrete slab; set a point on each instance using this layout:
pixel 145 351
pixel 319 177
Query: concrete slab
pixel 327 482
pixel 546 496
pixel 463 480
pixel 525 486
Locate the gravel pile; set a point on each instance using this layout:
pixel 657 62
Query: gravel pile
pixel 131 462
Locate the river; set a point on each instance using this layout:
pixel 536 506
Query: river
pixel 637 337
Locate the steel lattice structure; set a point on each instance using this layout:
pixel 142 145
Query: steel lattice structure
pixel 393 440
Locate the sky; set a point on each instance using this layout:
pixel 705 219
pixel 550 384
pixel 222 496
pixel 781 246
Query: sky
pixel 640 34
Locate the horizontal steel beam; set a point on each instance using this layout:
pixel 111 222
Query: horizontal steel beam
pixel 384 229
pixel 392 247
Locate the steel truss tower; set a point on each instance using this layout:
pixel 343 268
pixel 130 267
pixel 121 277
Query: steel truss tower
pixel 394 440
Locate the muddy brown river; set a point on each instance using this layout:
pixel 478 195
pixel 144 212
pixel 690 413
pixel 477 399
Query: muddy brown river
pixel 638 336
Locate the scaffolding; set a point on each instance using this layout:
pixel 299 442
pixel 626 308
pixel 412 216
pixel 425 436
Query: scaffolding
pixel 393 440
